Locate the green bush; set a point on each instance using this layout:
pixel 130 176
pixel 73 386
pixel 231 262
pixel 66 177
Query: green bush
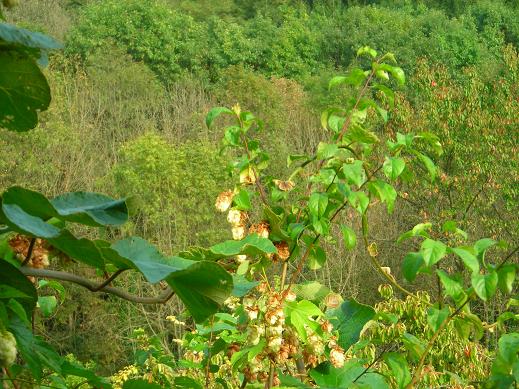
pixel 174 187
pixel 171 43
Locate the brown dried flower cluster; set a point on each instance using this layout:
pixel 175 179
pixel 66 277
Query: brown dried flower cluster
pixel 261 228
pixel 40 253
pixel 283 251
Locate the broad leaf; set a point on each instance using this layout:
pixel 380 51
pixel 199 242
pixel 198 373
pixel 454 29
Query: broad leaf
pixel 301 316
pixel 251 245
pixel 435 317
pixel 469 259
pixel 399 369
pixel 411 265
pixel 349 237
pixel 328 377
pixel 214 113
pixel 485 285
pixel 507 275
pixel 433 251
pixel 24 91
pixel 91 209
pixel 393 167
pixel 16 286
pixel 349 319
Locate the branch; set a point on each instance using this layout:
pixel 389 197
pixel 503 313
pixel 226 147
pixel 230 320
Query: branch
pixel 93 287
pixel 29 252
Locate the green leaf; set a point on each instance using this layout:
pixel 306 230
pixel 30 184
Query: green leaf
pixel 359 134
pixel 301 316
pixel 201 285
pixel 242 200
pixel 414 346
pixel 388 93
pixel 385 192
pixel 317 204
pixel 312 291
pixel 12 278
pixel 47 305
pixel 328 377
pixel 393 167
pixel 433 251
pixel 242 286
pixel 482 245
pixel 250 245
pixel 316 258
pixel 366 50
pixel 411 265
pixel 355 77
pixel 485 285
pixel 429 165
pixel 181 382
pixel 470 261
pixel 20 36
pixel 349 319
pixel 18 310
pixel 350 239
pixel 92 209
pixel 354 173
pixel 83 250
pixel 23 222
pixel 435 317
pixel 326 150
pixel 24 90
pixel 506 278
pixel 399 369
pixel 34 351
pixel 509 347
pixel 452 288
pixel 214 113
pixel 418 230
pixel 359 201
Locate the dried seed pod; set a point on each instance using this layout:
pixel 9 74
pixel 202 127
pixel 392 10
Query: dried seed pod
pixel 283 252
pixel 224 200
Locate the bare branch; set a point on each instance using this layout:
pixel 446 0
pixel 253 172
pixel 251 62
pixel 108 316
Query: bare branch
pixel 94 287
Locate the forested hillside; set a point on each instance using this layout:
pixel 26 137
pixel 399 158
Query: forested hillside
pixel 343 195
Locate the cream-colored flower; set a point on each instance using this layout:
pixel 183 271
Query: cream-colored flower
pixel 337 357
pixel 238 232
pixel 236 217
pixel 290 296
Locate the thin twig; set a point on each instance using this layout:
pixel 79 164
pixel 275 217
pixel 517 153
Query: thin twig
pixel 388 346
pixel 29 252
pixel 109 280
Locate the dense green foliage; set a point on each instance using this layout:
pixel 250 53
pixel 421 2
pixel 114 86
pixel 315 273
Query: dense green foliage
pixel 130 93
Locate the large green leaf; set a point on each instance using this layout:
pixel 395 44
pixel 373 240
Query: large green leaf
pixel 83 250
pixel 411 265
pixel 435 317
pixel 34 351
pixel 251 245
pixel 12 279
pixel 399 369
pixel 328 377
pixel 385 192
pixel 20 36
pixel 202 285
pixel 140 384
pixel 92 209
pixel 349 319
pixel 301 314
pixel 311 290
pixel 24 91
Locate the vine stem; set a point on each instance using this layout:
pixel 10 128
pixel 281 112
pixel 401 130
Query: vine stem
pixel 93 287
pixel 256 175
pixel 13 381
